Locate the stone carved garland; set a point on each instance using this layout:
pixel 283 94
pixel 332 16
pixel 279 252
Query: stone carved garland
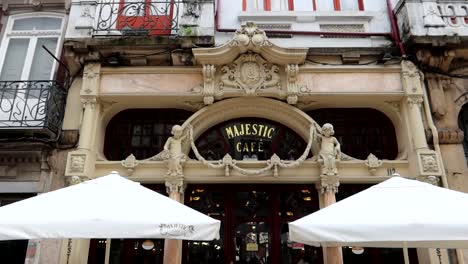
pixel 273 163
pixel 250 72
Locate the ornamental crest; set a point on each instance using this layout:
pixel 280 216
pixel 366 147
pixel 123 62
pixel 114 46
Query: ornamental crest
pixel 250 72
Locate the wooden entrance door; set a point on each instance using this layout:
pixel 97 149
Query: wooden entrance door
pixel 254 223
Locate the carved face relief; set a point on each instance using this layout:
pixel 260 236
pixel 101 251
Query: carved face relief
pixel 429 163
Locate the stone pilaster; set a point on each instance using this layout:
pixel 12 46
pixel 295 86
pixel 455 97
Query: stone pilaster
pixel 411 79
pixel 80 163
pixel 175 187
pixel 328 188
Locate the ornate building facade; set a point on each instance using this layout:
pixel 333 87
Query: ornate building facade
pixel 253 112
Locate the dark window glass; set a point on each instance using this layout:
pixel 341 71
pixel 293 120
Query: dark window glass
pixel 360 131
pixel 211 203
pixel 141 132
pixel 463 124
pixel 250 139
pixel 13 251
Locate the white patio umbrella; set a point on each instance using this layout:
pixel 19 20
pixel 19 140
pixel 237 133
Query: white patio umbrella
pixel 106 207
pixel 396 213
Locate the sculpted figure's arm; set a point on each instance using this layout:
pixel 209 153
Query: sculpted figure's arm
pixel 167 144
pixel 337 148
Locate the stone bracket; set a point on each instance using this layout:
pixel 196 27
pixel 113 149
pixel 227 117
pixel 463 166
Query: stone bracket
pixel 329 183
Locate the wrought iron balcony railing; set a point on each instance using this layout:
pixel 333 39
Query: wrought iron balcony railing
pixel 143 17
pixel 32 105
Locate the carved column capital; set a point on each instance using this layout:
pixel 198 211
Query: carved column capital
pixel 91 79
pixel 89 102
pixel 414 101
pixel 175 185
pixel 329 183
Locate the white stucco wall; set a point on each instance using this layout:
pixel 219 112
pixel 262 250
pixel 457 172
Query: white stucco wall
pixel 374 19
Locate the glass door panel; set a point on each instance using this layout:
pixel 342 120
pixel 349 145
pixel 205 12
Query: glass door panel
pixel 212 204
pixel 252 243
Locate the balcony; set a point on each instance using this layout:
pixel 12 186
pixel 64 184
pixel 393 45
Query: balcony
pixel 142 18
pixel 437 22
pixel 34 107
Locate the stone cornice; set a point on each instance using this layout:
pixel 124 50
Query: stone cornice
pixel 196 172
pixel 349 69
pixel 151 70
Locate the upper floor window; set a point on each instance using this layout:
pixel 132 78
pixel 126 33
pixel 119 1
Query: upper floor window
pixel 141 132
pixel 22 53
pixel 302 5
pixel 360 131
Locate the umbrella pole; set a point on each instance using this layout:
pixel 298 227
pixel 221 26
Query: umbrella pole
pixel 405 253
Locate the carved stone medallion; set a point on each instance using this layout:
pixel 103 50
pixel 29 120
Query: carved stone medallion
pixel 251 73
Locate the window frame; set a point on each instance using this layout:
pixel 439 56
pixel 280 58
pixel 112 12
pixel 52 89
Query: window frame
pixel 33 36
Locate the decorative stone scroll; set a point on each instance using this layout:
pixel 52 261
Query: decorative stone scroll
pixel 209 89
pixel 373 163
pixel 130 163
pixel 292 71
pixel 272 164
pixel 249 64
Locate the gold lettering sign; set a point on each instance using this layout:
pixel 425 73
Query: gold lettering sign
pixel 249 129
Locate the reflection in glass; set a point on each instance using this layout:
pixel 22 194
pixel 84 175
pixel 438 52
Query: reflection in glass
pixel 293 253
pixel 133 251
pixel 212 204
pixel 252 243
pixel 251 204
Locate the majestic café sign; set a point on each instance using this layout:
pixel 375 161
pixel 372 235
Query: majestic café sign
pixel 254 134
pixel 250 139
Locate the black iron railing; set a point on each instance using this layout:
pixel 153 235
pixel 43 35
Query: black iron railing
pixel 141 17
pixel 32 105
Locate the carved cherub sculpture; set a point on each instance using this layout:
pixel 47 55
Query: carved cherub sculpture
pixel 330 151
pixel 173 147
